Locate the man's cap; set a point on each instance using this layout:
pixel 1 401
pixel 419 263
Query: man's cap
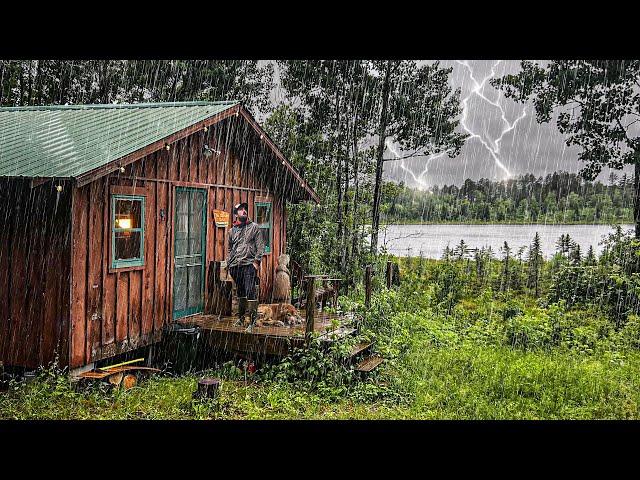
pixel 244 205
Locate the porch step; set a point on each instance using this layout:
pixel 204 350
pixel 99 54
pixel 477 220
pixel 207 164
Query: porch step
pixel 337 334
pixel 359 348
pixel 368 364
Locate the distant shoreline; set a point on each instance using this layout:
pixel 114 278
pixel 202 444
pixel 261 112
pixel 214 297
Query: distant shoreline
pixel 457 222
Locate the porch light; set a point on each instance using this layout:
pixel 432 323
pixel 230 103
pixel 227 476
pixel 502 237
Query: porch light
pixel 207 151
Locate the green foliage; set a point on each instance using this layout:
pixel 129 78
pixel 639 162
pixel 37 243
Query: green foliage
pixel 57 82
pixel 603 98
pixel 612 282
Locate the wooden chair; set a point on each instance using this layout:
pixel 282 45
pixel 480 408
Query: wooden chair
pixel 327 292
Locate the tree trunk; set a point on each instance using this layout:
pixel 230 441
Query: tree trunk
pixel 30 84
pixel 356 199
pixel 3 68
pixel 338 152
pixel 636 194
pixel 21 103
pixel 344 247
pixel 382 134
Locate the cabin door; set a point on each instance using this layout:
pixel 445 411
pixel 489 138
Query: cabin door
pixel 189 251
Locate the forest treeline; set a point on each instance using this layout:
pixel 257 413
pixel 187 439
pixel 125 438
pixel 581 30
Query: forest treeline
pixel 558 197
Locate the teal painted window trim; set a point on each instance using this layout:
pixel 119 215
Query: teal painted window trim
pixel 131 262
pixel 266 225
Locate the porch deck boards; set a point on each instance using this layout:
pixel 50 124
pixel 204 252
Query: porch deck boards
pixel 221 333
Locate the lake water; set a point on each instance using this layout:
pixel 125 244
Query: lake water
pixel 431 240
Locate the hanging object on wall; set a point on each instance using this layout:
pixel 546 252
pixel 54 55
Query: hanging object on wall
pixel 221 218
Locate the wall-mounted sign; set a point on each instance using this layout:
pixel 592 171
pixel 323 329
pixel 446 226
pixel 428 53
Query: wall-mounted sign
pixel 221 218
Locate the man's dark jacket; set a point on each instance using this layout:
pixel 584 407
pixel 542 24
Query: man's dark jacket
pixel 246 245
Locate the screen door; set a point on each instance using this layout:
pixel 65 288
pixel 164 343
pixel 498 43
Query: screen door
pixel 189 251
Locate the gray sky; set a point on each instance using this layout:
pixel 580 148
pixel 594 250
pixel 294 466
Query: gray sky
pixel 525 147
pixel 528 148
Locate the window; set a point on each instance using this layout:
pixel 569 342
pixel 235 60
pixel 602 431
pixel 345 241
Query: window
pixel 263 219
pixel 127 231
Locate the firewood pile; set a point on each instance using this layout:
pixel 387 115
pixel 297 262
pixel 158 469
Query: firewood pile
pixel 279 315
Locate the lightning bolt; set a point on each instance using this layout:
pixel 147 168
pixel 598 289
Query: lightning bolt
pixel 419 179
pixel 477 89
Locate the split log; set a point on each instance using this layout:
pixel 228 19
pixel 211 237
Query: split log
pixel 116 379
pixel 129 381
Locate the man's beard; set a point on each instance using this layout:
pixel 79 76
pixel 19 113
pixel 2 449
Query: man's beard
pixel 243 218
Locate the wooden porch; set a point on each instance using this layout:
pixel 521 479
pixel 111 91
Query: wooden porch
pixel 220 333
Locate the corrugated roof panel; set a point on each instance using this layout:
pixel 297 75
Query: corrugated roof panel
pixel 68 141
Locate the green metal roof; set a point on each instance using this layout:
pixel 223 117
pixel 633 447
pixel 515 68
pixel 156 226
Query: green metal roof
pixel 70 140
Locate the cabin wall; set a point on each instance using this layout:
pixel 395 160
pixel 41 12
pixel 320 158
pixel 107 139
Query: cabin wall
pixel 34 273
pixel 116 311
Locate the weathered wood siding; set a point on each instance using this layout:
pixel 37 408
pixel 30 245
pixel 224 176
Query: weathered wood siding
pixel 116 311
pixel 34 273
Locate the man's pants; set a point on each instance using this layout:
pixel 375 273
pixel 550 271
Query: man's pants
pixel 245 278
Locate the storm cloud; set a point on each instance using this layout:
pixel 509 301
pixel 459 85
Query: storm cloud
pixel 529 148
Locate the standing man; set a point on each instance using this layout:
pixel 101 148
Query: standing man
pixel 246 246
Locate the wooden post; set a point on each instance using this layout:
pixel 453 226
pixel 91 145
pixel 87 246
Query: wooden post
pixel 367 287
pixel 310 307
pixel 389 273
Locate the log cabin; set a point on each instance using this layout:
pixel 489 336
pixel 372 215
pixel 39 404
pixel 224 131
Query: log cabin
pixel 112 218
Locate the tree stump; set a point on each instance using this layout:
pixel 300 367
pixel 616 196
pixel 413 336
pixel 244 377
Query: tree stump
pixel 207 388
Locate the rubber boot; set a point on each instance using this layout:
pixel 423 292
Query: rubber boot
pixel 252 309
pixel 242 309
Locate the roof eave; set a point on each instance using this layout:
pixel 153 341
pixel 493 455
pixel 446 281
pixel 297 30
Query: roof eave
pixel 114 165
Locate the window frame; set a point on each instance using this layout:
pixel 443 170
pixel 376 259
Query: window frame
pixel 269 226
pixel 130 263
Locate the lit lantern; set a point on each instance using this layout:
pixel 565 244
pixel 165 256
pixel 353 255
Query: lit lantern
pixel 124 223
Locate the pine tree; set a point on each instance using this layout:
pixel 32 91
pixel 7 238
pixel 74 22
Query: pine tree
pixel 575 256
pixel 535 262
pixel 590 259
pixel 506 251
